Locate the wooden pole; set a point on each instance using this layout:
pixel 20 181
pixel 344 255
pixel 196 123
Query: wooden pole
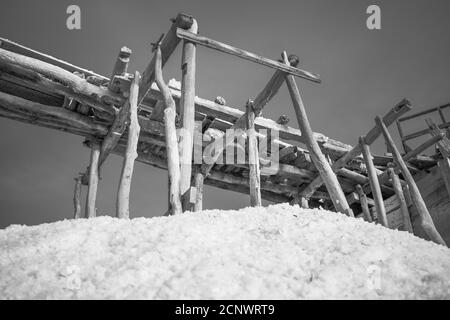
pixel 253 158
pixel 426 221
pixel 374 184
pixel 225 48
pixel 199 178
pixel 93 180
pixel 76 198
pixel 123 194
pixel 364 203
pixel 173 157
pixel 319 160
pixel 401 198
pixel 187 104
pixel 444 167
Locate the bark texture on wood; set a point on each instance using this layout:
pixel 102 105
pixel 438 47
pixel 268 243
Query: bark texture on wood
pixel 187 106
pixel 253 158
pixel 77 199
pixel 123 193
pixel 199 178
pixel 173 157
pixel 426 221
pixel 93 181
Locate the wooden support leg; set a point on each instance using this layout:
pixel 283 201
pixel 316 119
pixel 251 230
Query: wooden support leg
pixel 374 183
pixel 444 167
pixel 93 181
pixel 401 199
pixel 173 157
pixel 425 219
pixel 364 203
pixel 76 198
pixel 187 104
pixel 123 194
pixel 255 174
pixel 320 162
pixel 199 178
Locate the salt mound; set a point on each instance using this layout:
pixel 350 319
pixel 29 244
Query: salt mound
pixel 278 252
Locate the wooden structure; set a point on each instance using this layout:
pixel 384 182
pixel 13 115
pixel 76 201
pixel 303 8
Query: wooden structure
pixel 142 118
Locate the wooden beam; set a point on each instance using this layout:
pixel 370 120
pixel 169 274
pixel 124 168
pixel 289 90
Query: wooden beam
pixel 168 45
pixel 401 199
pixel 426 221
pixel 123 193
pixel 364 203
pixel 187 106
pixel 401 108
pixel 93 180
pixel 320 162
pixel 225 48
pixel 59 80
pixel 374 183
pixel 173 158
pixel 15 104
pixel 253 158
pixel 77 198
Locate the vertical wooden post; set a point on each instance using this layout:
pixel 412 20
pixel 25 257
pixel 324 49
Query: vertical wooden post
pixel 444 168
pixel 401 198
pixel 93 180
pixel 425 219
pixel 253 157
pixel 319 160
pixel 199 177
pixel 364 203
pixel 123 194
pixel 76 198
pixel 173 157
pixel 374 183
pixel 187 104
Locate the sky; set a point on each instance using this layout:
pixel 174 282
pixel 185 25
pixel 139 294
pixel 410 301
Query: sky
pixel 364 73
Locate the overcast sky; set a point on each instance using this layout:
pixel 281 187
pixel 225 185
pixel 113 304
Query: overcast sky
pixel 364 72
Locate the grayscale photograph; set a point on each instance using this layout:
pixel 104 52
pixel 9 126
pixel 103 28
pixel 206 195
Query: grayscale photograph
pixel 224 156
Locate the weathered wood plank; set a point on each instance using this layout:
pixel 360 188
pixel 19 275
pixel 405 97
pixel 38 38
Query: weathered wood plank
pixel 401 199
pixel 91 198
pixel 77 198
pixel 364 203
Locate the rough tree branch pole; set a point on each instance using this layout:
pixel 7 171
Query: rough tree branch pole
pixel 173 158
pixel 123 194
pixel 253 158
pixel 319 160
pixel 426 221
pixel 187 104
pixel 374 183
pixel 93 180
